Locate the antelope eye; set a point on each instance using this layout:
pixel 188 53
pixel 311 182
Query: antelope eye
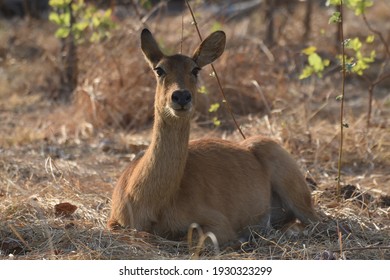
pixel 195 71
pixel 159 71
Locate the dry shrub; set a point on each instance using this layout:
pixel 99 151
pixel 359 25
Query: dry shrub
pixel 29 54
pixel 113 91
pixel 117 87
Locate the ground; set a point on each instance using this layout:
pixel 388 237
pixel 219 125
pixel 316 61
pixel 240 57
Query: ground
pixel 59 161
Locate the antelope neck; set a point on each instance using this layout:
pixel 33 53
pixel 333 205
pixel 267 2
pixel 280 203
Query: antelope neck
pixel 162 166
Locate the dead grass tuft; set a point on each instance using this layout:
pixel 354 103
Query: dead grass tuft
pixel 353 228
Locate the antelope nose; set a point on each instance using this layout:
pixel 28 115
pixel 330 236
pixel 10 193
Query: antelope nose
pixel 181 97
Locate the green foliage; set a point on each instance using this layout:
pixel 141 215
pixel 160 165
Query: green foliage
pixel 358 6
pixel 90 24
pixel 335 18
pixel 61 4
pixel 358 62
pixel 214 107
pixel 202 90
pixel 370 39
pixel 216 121
pixel 316 64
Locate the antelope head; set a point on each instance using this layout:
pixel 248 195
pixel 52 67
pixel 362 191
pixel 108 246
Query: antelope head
pixel 177 75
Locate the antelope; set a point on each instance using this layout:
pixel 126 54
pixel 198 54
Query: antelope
pixel 225 187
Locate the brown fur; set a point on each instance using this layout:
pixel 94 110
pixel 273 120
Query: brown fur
pixel 223 186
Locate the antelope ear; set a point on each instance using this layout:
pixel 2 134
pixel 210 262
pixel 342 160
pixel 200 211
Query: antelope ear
pixel 150 48
pixel 210 49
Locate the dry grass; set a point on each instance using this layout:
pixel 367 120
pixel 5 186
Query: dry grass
pixel 55 153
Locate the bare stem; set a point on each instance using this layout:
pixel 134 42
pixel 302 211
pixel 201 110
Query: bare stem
pixel 378 33
pixel 194 19
pixel 229 108
pixel 342 101
pixel 380 76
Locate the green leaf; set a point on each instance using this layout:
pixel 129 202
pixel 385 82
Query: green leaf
pixel 370 39
pixel 59 3
pixel 359 6
pixel 54 17
pixel 326 62
pixel 333 2
pixel 306 72
pixel 309 50
pixel 358 63
pixel 78 6
pixel 77 35
pixel 90 23
pixel 81 26
pixel 202 90
pixel 65 19
pixel 214 107
pixel 346 41
pixel 107 14
pixel 354 44
pixel 96 37
pixel 62 32
pixel 373 55
pixel 316 62
pixel 95 21
pixel 216 121
pixel 335 18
